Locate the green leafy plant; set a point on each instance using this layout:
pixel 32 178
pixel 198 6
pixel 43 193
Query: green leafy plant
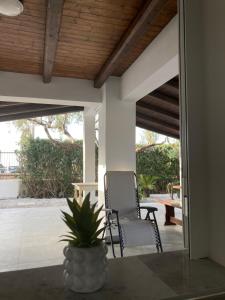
pixel 161 161
pixel 84 224
pixel 48 169
pixel 147 183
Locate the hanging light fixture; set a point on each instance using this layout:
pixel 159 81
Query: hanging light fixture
pixel 11 8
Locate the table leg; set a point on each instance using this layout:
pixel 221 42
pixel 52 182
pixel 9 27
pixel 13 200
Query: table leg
pixel 170 212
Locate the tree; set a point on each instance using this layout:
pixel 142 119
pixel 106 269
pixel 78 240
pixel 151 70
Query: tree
pixel 148 140
pixel 57 124
pixel 26 128
pixel 151 137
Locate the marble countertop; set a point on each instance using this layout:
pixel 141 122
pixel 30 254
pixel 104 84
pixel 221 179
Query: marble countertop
pixel 147 277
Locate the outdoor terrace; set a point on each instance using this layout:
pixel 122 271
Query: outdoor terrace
pixel 30 232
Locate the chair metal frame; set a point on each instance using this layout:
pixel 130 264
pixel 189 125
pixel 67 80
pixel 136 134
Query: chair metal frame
pixel 112 219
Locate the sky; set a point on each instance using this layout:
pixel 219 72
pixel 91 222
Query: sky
pixel 10 136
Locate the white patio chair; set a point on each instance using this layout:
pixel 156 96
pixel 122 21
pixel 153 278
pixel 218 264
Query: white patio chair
pixel 123 211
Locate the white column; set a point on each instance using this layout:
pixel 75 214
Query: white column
pixel 117 121
pixel 89 146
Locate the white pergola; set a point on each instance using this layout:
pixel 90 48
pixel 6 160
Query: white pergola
pixel 115 102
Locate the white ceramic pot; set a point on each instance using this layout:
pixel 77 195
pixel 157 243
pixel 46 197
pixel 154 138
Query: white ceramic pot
pixel 85 268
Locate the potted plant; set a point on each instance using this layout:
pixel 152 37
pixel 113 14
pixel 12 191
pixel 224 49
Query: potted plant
pixel 147 183
pixel 86 263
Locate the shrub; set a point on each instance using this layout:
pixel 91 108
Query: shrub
pixel 146 184
pixel 162 162
pixel 47 169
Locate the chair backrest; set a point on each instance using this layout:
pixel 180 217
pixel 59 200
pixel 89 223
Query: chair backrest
pixel 121 193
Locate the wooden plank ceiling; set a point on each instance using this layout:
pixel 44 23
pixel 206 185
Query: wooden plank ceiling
pixel 89 39
pixel 10 111
pixel 159 111
pixel 77 38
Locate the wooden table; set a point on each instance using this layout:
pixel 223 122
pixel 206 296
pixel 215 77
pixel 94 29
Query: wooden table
pixel 80 187
pixel 170 206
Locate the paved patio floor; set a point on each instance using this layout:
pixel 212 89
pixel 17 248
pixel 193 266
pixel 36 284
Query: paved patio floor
pixel 30 231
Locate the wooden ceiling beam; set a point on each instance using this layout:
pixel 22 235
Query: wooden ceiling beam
pixel 157 121
pixel 157 111
pixel 53 24
pixel 144 18
pixel 174 81
pixel 5 104
pixel 41 113
pixel 156 128
pixel 170 90
pixel 26 108
pixel 152 114
pixel 162 101
pixel 170 100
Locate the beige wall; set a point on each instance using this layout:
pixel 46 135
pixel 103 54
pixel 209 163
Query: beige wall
pixel 214 64
pixel 203 95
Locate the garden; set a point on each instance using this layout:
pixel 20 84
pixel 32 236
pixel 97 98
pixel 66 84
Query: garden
pixel 48 169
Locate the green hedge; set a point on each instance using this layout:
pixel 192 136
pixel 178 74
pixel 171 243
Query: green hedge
pixel 48 169
pixel 160 161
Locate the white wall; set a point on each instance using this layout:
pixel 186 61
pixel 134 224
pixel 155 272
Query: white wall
pixel 155 66
pixel 204 66
pixel 9 188
pixel 64 91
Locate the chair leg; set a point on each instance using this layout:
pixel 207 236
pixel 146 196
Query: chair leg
pixel 111 238
pixel 121 250
pixel 156 229
pixel 121 240
pixel 120 235
pixel 159 242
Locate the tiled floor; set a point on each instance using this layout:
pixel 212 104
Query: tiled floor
pixel 30 236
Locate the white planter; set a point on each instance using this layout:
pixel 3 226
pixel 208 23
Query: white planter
pixel 85 268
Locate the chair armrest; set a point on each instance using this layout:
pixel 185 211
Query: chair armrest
pixel 149 208
pixel 112 216
pixel 110 210
pixel 107 209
